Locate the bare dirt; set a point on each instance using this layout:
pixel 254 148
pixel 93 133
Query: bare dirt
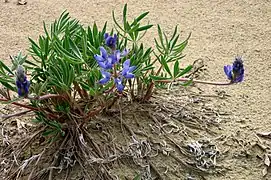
pixel 220 31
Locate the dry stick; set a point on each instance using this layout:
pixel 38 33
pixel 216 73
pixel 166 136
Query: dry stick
pixel 94 144
pixel 15 114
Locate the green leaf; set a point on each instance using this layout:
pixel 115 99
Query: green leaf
pixel 6 68
pixel 49 132
pixel 137 177
pixel 176 69
pixel 45 30
pixel 141 16
pixel 173 43
pixel 135 28
pixel 161 37
pixel 7 85
pixel 143 28
pixel 186 70
pixel 165 65
pixel 181 46
pixel 75 49
pixel 92 92
pixel 115 21
pixel 124 14
pixel 187 83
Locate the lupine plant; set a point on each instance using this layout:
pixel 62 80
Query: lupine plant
pixel 73 73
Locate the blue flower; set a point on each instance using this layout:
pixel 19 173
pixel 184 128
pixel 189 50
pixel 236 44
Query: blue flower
pixel 106 77
pixel 118 83
pixel 127 70
pixel 235 72
pixel 21 82
pixel 124 53
pixel 110 41
pixel 103 60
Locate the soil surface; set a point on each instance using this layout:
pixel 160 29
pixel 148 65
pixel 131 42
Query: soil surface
pixel 220 31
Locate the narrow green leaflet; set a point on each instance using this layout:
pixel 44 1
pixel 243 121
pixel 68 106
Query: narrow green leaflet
pixel 183 72
pixel 144 28
pixel 176 69
pixel 165 65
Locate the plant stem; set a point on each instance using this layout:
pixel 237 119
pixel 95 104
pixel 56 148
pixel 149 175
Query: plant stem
pixel 21 105
pixel 150 88
pixel 196 81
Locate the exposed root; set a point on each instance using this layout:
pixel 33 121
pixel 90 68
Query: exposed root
pixel 139 133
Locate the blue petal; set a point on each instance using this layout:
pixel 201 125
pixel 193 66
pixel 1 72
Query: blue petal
pixel 106 35
pixel 104 80
pixel 126 64
pixel 124 52
pixel 119 85
pixel 129 76
pixel 228 71
pixel 103 52
pixel 26 87
pixel 106 77
pixel 132 68
pixel 112 58
pixel 117 56
pixel 115 38
pixel 124 71
pixel 98 57
pixel 102 64
pixel 20 92
pixel 18 84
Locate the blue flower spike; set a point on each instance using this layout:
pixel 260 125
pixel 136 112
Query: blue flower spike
pixel 127 70
pixel 235 72
pixel 21 82
pixel 111 41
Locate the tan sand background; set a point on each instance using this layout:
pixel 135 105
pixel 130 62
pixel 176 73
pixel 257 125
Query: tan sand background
pixel 220 31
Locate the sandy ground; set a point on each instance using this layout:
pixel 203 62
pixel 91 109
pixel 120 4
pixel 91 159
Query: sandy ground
pixel 220 31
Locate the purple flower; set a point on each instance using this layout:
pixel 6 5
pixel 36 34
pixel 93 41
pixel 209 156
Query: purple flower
pixel 235 72
pixel 106 77
pixel 118 83
pixel 21 82
pixel 127 70
pixel 103 60
pixel 124 53
pixel 110 41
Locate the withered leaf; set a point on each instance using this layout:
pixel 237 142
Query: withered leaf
pixel 266 160
pixel 264 134
pixel 264 171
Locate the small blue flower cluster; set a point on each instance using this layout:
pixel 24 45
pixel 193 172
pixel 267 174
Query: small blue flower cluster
pixel 21 82
pixel 107 62
pixel 235 72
